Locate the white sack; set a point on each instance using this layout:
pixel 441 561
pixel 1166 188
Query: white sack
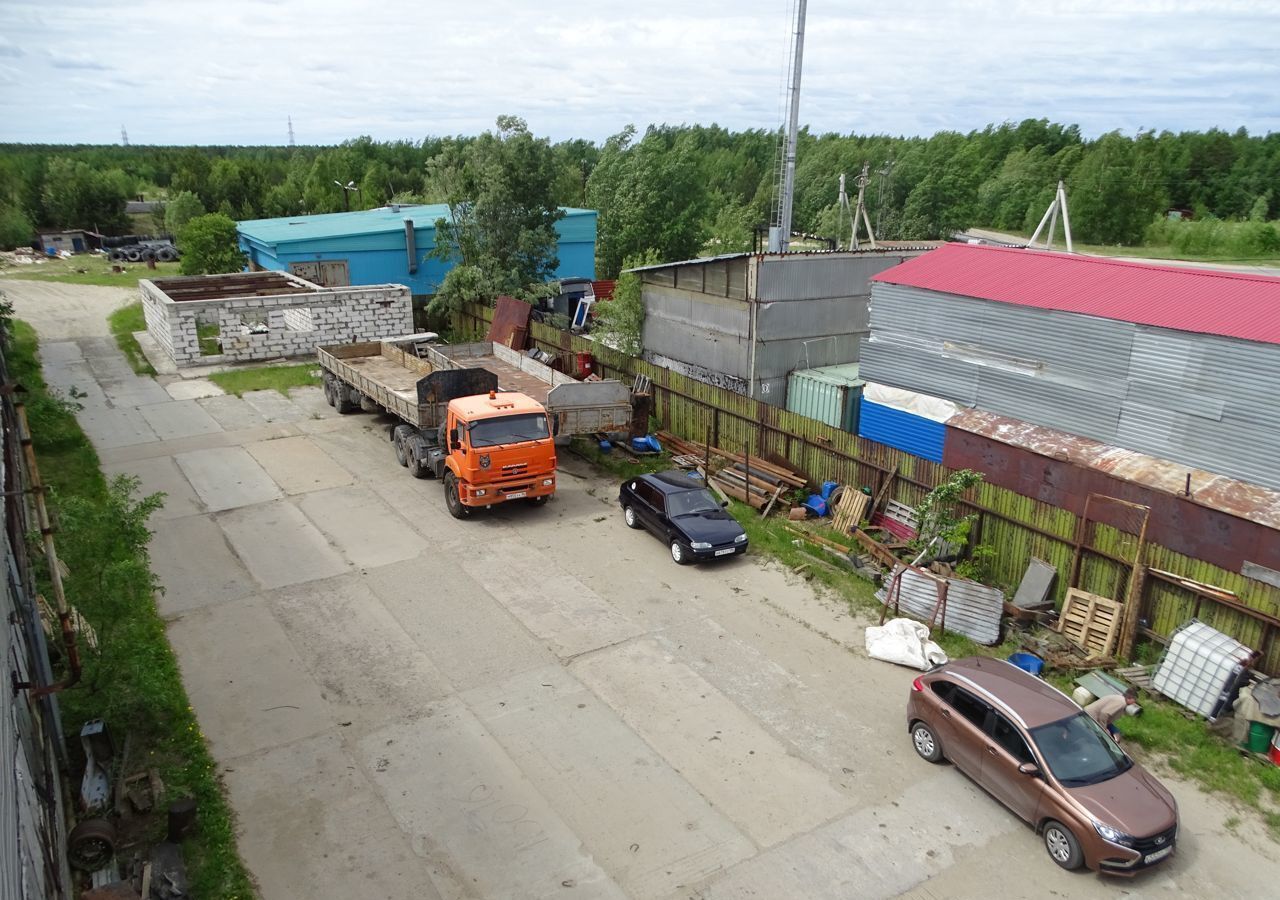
pixel 904 642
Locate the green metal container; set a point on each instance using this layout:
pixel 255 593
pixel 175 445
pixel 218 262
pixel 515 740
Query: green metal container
pixel 1260 735
pixel 830 394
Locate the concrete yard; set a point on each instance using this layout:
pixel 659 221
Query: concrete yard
pixel 534 703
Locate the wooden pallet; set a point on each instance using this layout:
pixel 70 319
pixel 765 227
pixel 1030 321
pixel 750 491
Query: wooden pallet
pixel 1138 676
pixel 850 510
pixel 1090 621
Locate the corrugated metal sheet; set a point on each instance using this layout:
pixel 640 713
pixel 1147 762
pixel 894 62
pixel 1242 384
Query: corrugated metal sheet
pixel 972 609
pixel 1195 300
pixel 903 430
pixel 830 394
pixel 783 278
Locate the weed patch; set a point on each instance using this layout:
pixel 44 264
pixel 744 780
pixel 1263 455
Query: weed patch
pixel 90 268
pixel 124 322
pixel 268 378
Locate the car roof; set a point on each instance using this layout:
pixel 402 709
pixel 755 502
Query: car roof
pixel 1033 700
pixel 674 481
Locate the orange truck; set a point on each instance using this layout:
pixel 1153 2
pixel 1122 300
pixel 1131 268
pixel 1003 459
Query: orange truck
pixel 480 417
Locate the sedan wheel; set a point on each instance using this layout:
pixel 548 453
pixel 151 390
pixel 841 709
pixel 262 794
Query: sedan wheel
pixel 679 554
pixel 629 516
pixel 1063 846
pixel 926 743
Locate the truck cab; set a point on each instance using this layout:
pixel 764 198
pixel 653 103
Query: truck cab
pixel 496 447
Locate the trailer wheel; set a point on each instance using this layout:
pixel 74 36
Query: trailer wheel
pixel 400 437
pixel 451 498
pixel 329 392
pixel 343 402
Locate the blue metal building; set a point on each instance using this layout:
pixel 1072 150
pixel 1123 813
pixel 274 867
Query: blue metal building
pixel 390 245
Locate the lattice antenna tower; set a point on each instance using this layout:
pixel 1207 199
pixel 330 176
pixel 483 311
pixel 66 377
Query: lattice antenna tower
pixel 291 143
pixel 780 233
pixel 124 137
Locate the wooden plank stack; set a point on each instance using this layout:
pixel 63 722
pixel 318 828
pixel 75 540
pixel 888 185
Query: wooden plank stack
pixel 755 481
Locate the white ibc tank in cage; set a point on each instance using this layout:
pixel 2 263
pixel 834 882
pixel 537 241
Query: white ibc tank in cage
pixel 1200 668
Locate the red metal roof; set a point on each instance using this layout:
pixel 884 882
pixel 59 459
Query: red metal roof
pixel 1200 300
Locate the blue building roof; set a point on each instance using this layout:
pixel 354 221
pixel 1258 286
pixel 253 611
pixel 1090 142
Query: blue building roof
pixel 578 224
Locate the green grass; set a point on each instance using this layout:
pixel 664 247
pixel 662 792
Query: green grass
pixel 616 463
pixel 124 322
pixel 279 378
pixel 89 268
pixel 132 680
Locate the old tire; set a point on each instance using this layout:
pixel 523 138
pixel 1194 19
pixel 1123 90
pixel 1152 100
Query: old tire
pixel 166 254
pixel 116 256
pixel 91 844
pixel 926 743
pixel 134 255
pixel 451 498
pixel 629 516
pixel 679 555
pixel 1062 845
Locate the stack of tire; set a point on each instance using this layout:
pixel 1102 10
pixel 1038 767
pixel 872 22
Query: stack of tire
pixel 160 251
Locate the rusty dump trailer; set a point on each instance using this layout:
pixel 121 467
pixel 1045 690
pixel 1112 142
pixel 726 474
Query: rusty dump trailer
pixel 414 381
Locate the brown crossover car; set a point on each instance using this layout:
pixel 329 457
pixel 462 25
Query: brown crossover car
pixel 1032 748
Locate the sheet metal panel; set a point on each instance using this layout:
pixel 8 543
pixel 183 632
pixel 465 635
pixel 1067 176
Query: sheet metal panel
pixel 903 430
pixel 915 369
pixel 831 395
pixel 1061 406
pixel 812 318
pixel 777 359
pixel 972 609
pixel 833 275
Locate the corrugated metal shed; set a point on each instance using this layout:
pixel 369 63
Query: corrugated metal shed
pixel 1198 300
pixel 1202 400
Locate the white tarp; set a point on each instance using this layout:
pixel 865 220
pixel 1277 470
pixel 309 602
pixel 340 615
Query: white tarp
pixel 933 408
pixel 904 642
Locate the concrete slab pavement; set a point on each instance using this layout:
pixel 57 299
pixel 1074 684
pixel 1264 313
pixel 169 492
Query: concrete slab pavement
pixel 227 477
pixel 279 545
pixel 196 566
pixel 297 465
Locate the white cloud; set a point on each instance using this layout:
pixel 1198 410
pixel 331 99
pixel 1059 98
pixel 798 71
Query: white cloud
pixel 231 71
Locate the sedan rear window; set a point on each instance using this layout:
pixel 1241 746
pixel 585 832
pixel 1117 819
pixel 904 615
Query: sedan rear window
pixel 1078 752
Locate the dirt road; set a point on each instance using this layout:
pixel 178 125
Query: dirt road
pixel 535 703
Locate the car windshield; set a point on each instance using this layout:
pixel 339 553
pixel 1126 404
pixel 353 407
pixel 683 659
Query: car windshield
pixel 1078 752
pixel 508 430
pixel 689 503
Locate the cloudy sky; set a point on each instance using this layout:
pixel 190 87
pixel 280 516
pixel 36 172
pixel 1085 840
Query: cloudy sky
pixel 231 71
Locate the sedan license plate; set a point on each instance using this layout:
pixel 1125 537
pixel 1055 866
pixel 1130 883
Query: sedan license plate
pixel 726 551
pixel 516 495
pixel 1157 856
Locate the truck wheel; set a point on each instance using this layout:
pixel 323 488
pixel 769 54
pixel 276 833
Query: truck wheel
pixel 329 393
pixel 451 498
pixel 343 402
pixel 420 468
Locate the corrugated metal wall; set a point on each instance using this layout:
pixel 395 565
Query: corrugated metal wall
pixel 1019 526
pixel 1202 400
pixel 906 431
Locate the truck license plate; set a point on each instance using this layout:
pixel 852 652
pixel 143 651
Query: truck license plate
pixel 726 551
pixel 517 495
pixel 1158 855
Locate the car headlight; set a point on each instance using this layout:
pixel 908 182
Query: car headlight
pixel 479 492
pixel 1113 835
pixel 700 545
pixel 740 539
pixel 547 482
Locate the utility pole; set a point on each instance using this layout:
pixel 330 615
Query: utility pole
pixel 861 210
pixel 885 174
pixel 1051 216
pixel 291 144
pixel 346 193
pixel 780 236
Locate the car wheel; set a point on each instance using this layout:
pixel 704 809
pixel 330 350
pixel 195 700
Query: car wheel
pixel 679 554
pixel 1062 845
pixel 629 516
pixel 926 743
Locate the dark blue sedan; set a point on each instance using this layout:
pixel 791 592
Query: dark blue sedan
pixel 683 513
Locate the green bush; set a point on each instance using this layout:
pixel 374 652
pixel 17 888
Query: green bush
pixel 15 228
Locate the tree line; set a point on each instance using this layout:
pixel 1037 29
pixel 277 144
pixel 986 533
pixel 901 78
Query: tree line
pixel 672 192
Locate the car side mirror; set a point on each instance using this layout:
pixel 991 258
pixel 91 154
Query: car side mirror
pixel 724 504
pixel 454 442
pixel 1029 769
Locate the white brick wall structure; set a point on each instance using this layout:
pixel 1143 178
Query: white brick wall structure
pixel 283 325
